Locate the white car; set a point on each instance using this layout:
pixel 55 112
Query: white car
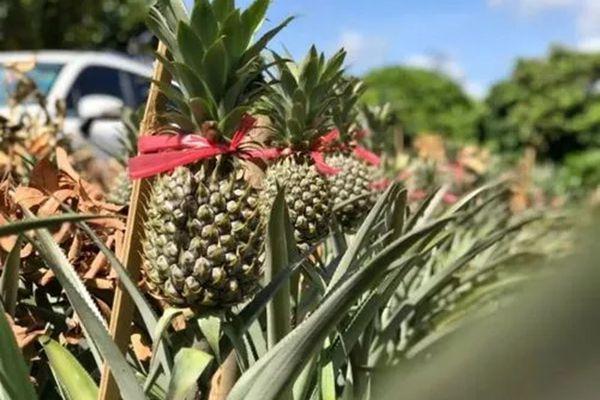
pixel 95 85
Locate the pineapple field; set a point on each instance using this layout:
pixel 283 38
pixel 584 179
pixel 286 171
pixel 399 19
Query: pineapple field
pixel 266 233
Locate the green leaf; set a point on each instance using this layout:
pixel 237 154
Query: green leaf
pixel 189 365
pixel 360 238
pixel 14 374
pixel 253 18
pixel 204 23
pixel 161 29
pixel 173 10
pixel 90 317
pixel 216 68
pixel 327 380
pixel 142 305
pixel 222 8
pixel 261 43
pixel 191 82
pixel 157 339
pixel 210 326
pixel 192 49
pixel 233 38
pixel 24 225
pixel 274 373
pixel 74 380
pixel 276 259
pixel 231 122
pixel 9 282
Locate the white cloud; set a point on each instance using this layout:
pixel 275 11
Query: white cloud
pixel 364 51
pixel 449 66
pixel 587 14
pixel 591 44
pixel 437 62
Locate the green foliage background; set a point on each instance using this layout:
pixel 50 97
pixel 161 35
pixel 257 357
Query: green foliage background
pixel 425 101
pixel 70 24
pixel 551 103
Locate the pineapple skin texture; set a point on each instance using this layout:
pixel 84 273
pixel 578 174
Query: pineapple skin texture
pixel 307 196
pixel 353 180
pixel 120 189
pixel 203 237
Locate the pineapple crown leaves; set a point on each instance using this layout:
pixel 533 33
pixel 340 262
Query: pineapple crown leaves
pixel 299 96
pixel 214 60
pixel 344 110
pixel 379 118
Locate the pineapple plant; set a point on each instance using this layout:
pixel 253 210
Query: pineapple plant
pixel 203 227
pixel 352 189
pixel 119 191
pixel 296 106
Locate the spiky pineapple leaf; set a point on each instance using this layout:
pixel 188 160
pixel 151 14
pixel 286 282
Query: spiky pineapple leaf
pixel 222 9
pixel 91 319
pixel 140 301
pixel 253 18
pixel 274 373
pixel 204 23
pixel 28 224
pixel 9 282
pixel 216 66
pixel 192 48
pixel 277 257
pixel 14 374
pixel 157 340
pixel 73 379
pixel 189 365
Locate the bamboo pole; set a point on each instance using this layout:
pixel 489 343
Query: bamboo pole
pixel 224 379
pixel 123 307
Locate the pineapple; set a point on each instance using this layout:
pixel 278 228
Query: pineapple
pixel 356 176
pixel 119 191
pixel 203 228
pixel 296 106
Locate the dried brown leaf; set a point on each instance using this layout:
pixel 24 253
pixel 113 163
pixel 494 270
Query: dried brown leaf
pixel 28 197
pixel 44 176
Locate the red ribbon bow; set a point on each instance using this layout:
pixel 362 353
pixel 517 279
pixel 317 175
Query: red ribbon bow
pixel 162 153
pixel 367 155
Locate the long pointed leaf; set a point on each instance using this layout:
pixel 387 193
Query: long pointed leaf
pixel 74 380
pixel 24 225
pixel 14 374
pixel 88 313
pixel 9 282
pixel 189 365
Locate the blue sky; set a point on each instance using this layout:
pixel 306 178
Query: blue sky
pixel 475 41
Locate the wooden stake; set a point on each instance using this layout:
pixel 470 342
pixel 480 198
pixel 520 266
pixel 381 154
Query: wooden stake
pixel 123 307
pixel 224 379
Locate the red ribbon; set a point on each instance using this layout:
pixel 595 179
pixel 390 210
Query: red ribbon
pixel 380 184
pixel 162 153
pixel 367 155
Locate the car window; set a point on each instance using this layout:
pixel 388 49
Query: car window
pixel 43 74
pixel 140 87
pixel 97 80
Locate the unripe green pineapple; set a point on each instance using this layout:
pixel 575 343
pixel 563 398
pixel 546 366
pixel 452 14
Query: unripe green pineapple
pixel 203 236
pixel 354 181
pixel 356 177
pixel 308 196
pixel 204 230
pixel 296 105
pixel 119 192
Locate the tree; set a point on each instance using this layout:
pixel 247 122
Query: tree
pixel 425 101
pixel 551 103
pixel 70 24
